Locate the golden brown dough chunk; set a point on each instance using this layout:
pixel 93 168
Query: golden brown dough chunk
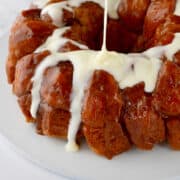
pixel 164 33
pixel 27 33
pixel 111 119
pixel 167 92
pixel 56 86
pixel 177 58
pixel 173 132
pixel 52 121
pixel 25 69
pixel 88 25
pixel 156 14
pixel 67 16
pixel 68 47
pixel 143 124
pixel 118 38
pixel 25 104
pixel 100 114
pixel 132 13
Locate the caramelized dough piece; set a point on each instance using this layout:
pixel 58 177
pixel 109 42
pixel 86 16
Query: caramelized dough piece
pixel 164 33
pixel 56 86
pixel 57 82
pixel 27 33
pixel 88 25
pixel 167 93
pixel 156 14
pixel 100 115
pixel 143 124
pixel 118 38
pixel 68 47
pixel 173 132
pixel 25 70
pixel 52 121
pixel 54 91
pixel 33 6
pixel 67 17
pixel 132 13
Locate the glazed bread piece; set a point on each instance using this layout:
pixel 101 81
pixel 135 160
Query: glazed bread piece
pixel 144 125
pixel 157 28
pixel 167 92
pixel 101 116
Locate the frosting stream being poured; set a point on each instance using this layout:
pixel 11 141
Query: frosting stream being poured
pixel 145 69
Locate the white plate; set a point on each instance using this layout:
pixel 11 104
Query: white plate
pixel 161 163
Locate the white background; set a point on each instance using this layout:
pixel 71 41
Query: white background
pixel 13 166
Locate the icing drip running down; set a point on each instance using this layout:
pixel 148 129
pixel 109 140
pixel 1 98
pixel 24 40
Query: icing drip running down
pixel 145 65
pixel 54 42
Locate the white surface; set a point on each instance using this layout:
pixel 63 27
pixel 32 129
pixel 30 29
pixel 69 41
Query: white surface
pixel 161 163
pixel 13 167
